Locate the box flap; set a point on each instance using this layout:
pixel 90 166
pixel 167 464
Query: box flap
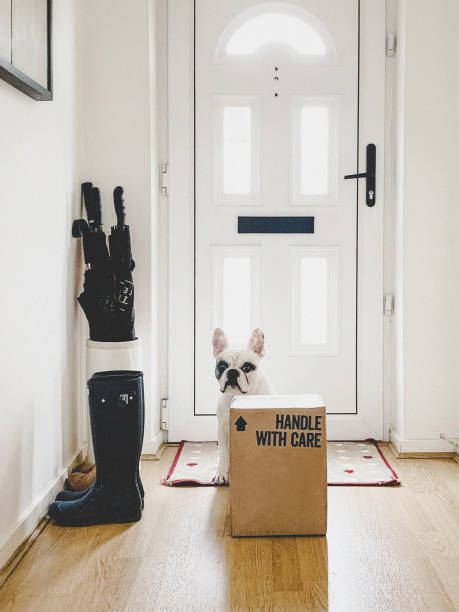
pixel 312 400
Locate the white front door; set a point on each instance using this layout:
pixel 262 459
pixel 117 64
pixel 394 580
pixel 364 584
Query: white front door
pixel 271 104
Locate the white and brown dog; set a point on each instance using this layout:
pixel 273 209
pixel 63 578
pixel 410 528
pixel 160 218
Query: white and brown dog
pixel 238 372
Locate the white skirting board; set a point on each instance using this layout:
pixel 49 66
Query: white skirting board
pixel 29 519
pixel 434 445
pixel 151 447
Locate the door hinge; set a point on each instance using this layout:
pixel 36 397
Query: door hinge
pixel 164 179
pixel 388 304
pixel 391 44
pixel 164 413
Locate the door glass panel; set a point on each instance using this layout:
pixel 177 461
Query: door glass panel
pixel 236 141
pixel 314 300
pixel 237 148
pixel 276 29
pixel 236 298
pixel 315 307
pixel 314 150
pixel 236 291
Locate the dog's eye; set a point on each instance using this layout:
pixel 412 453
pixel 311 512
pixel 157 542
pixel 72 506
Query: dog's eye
pixel 222 366
pixel 248 367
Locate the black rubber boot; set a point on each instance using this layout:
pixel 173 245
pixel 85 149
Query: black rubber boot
pixel 74 495
pixel 116 418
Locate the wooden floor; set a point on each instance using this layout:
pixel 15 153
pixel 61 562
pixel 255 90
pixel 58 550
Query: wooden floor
pixel 389 548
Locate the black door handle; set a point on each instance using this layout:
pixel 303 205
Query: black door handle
pixel 370 175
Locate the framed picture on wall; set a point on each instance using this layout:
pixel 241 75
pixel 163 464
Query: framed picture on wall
pixel 25 46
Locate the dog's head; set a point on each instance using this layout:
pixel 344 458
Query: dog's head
pixel 237 371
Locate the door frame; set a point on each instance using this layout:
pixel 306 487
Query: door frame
pixel 368 421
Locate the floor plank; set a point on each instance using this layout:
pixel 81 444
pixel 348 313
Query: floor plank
pixel 387 549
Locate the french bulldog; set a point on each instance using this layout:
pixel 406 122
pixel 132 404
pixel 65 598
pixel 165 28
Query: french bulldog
pixel 238 372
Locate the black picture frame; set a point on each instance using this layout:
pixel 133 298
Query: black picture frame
pixel 20 80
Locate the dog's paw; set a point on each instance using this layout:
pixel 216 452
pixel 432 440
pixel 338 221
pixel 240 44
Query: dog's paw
pixel 221 478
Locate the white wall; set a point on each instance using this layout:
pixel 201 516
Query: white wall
pixel 101 126
pixel 427 225
pixel 116 137
pixel 39 419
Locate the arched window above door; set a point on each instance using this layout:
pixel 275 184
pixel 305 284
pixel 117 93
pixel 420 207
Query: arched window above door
pixel 272 27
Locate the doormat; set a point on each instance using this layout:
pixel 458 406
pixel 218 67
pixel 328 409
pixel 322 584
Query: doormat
pixel 348 464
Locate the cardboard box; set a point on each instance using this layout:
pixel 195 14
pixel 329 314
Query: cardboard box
pixel 278 465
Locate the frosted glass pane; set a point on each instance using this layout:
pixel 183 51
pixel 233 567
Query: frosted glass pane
pixel 237 292
pixel 314 300
pixel 275 28
pixel 314 150
pixel 237 150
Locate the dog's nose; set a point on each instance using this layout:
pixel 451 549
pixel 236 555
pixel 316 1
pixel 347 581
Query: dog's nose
pixel 232 376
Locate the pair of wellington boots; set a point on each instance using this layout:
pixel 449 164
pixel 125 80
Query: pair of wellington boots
pixel 116 408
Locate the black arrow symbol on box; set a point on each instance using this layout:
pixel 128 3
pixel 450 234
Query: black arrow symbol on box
pixel 240 424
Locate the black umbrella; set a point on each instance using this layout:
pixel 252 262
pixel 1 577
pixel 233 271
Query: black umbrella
pixel 123 264
pixel 108 291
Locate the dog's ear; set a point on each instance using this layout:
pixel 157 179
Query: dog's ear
pixel 219 341
pixel 257 342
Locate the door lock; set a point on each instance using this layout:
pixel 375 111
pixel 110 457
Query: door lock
pixel 369 175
